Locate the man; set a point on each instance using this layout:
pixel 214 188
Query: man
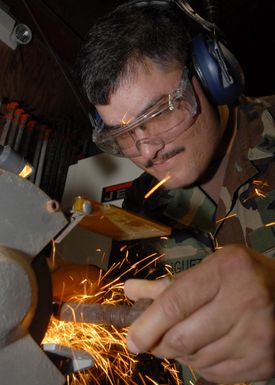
pixel 217 159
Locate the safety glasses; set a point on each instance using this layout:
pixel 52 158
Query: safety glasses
pixel 161 123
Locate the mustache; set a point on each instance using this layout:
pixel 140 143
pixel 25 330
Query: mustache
pixel 150 163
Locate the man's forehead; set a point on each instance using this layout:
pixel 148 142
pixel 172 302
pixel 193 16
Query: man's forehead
pixel 142 91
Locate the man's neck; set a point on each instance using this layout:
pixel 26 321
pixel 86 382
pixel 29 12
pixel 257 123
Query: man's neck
pixel 213 186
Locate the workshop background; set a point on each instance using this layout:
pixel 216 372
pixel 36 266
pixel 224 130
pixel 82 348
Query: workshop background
pixel 44 118
pixel 37 79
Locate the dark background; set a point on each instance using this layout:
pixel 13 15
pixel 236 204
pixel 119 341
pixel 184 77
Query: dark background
pixel 248 26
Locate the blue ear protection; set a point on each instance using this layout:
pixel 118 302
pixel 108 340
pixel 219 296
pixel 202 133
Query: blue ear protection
pixel 217 69
pixel 215 66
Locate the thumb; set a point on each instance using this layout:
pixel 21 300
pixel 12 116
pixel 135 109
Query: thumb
pixel 141 288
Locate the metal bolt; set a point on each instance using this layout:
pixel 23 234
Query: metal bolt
pixel 52 206
pixel 87 207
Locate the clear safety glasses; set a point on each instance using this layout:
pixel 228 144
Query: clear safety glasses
pixel 162 123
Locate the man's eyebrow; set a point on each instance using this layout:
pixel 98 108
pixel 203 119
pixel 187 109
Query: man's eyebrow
pixel 150 104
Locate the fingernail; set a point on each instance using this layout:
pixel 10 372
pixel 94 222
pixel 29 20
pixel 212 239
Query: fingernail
pixel 132 347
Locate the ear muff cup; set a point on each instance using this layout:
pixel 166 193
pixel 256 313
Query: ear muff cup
pixel 217 69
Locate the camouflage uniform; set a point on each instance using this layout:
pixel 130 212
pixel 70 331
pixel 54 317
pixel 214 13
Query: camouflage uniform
pixel 246 204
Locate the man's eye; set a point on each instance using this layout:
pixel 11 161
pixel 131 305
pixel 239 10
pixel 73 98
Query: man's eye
pixel 157 114
pixel 162 115
pixel 124 136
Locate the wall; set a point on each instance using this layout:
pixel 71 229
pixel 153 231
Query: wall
pixel 32 75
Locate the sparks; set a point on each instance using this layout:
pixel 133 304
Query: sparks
pixel 260 193
pixel 173 371
pixel 258 190
pixel 124 121
pixel 53 254
pixel 225 218
pixel 260 183
pixel 114 364
pixel 194 374
pixel 214 242
pixel 151 380
pixel 105 344
pixel 157 186
pixel 270 224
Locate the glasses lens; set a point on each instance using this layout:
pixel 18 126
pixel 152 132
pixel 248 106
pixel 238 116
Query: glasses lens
pixel 166 120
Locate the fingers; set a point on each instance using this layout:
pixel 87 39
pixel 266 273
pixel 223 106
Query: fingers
pixel 140 288
pixel 205 326
pixel 233 371
pixel 211 317
pixel 225 372
pixel 181 298
pixel 224 358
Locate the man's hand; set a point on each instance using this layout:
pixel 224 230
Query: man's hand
pixel 217 317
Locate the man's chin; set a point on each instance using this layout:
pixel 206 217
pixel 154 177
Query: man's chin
pixel 173 182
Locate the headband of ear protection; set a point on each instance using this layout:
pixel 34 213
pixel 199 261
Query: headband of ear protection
pixel 216 67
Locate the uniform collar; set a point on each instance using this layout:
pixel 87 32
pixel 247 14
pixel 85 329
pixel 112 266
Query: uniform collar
pixel 253 142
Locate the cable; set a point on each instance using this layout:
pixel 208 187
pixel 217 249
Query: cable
pixel 62 20
pixel 212 10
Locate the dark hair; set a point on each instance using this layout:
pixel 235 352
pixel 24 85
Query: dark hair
pixel 125 37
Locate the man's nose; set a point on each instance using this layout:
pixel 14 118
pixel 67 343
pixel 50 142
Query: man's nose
pixel 149 147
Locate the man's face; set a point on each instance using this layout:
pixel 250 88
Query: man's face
pixel 184 159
